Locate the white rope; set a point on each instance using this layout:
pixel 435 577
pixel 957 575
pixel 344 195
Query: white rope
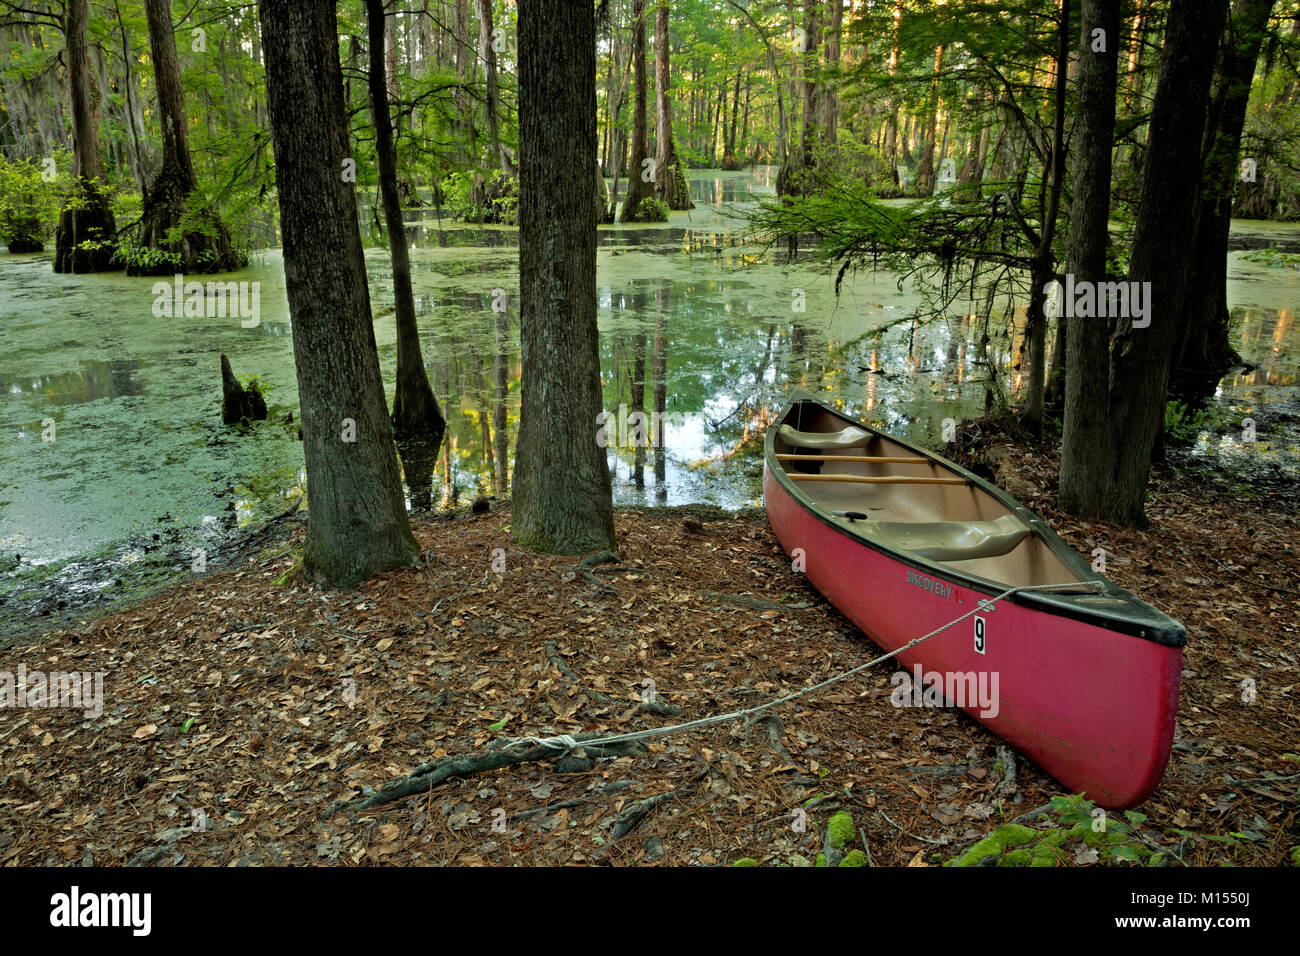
pixel 567 742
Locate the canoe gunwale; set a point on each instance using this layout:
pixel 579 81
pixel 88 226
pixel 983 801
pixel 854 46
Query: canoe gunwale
pixel 1135 618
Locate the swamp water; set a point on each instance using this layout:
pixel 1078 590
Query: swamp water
pixel 141 472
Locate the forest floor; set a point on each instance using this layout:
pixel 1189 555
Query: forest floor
pixel 244 711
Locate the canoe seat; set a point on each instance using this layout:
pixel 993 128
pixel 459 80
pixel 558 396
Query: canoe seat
pixel 850 437
pixel 953 540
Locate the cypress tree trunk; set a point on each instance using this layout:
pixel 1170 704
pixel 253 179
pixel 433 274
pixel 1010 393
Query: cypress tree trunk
pixel 1161 255
pixel 1087 361
pixel 357 521
pixel 205 247
pixel 416 415
pixel 637 403
pixel 891 124
pixel 800 180
pixel 729 153
pixel 659 379
pixel 1031 414
pixel 562 498
pixel 830 99
pixel 925 168
pixel 493 94
pixel 501 386
pixel 1204 354
pixel 83 241
pixel 638 187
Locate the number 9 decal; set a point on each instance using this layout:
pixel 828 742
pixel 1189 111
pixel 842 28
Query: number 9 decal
pixel 979 635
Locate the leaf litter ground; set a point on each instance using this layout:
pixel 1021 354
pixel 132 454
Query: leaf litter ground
pixel 243 713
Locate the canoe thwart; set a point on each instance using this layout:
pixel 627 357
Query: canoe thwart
pixel 879 479
pixel 877 458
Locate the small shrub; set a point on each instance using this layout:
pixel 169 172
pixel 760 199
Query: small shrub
pixel 649 209
pixel 29 206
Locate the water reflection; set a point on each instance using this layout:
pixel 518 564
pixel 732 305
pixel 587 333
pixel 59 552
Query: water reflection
pixel 698 330
pixel 89 381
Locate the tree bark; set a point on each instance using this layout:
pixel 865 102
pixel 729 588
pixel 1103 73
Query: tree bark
pixel 801 180
pixel 659 380
pixel 1087 361
pixel 670 181
pixel 501 387
pixel 562 497
pixel 830 99
pixel 638 187
pixel 1204 353
pixel 925 168
pixel 490 82
pixel 1044 259
pixel 83 241
pixel 729 154
pixel 418 422
pixel 1161 254
pixel 205 247
pixel 239 404
pixel 357 522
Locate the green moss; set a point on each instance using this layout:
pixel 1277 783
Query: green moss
pixel 1045 854
pixel 989 846
pixel 821 860
pixel 854 858
pixel 1016 857
pixel 840 831
pixel 1053 839
pixel 746 861
pixel 292 575
pixel 996 843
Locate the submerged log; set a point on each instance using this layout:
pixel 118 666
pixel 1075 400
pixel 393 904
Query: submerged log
pixel 239 404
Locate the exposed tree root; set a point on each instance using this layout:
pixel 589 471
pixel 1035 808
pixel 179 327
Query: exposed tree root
pixel 426 776
pixel 631 816
pixel 745 601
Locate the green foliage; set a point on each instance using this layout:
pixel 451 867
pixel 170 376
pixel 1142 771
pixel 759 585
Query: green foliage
pixel 132 255
pixel 649 209
pixel 470 196
pixel 1273 258
pixel 1076 831
pixel 29 203
pixel 1272 138
pixel 255 383
pixel 455 190
pixel 1184 424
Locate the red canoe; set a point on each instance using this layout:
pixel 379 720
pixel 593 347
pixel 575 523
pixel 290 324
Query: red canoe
pixel 902 541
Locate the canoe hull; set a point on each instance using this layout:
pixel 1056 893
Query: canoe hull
pixel 1093 707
